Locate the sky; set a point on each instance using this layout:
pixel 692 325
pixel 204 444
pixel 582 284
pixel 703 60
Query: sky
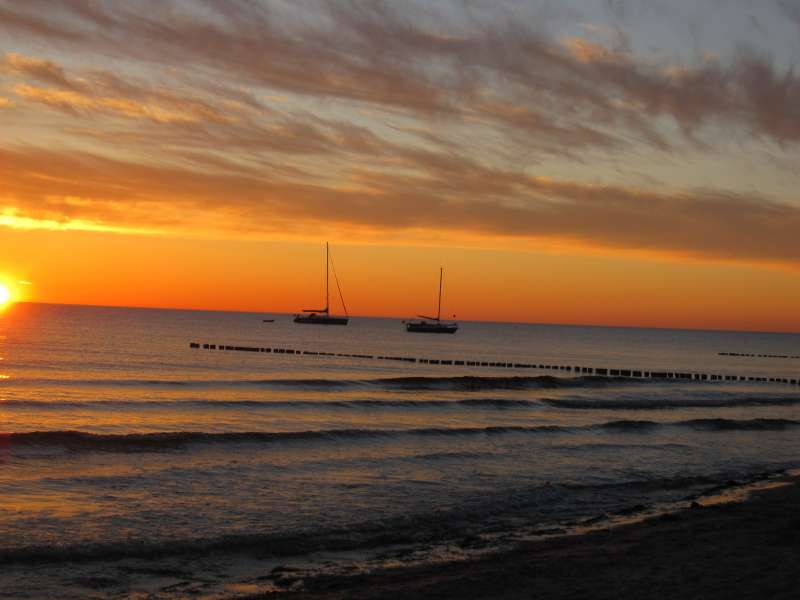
pixel 612 162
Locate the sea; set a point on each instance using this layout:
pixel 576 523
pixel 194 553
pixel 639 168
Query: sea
pixel 119 441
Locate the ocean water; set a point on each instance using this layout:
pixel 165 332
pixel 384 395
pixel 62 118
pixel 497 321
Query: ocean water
pixel 119 440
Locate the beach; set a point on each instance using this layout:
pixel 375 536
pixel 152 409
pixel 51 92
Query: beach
pixel 745 550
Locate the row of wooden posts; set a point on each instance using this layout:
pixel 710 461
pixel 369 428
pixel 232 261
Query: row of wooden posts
pixel 749 355
pixel 578 370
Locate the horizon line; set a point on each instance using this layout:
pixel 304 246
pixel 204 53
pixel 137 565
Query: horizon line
pixel 401 318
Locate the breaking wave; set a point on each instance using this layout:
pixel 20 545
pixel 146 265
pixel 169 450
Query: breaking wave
pixel 80 440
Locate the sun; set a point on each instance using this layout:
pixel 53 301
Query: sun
pixel 5 295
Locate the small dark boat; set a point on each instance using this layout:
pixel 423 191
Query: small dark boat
pixel 322 316
pixel 431 324
pixel 267 320
pixel 431 327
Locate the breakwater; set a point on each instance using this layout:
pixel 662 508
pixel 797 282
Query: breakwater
pixel 572 369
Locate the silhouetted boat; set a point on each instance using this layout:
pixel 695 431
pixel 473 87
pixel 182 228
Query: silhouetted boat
pixel 267 320
pixel 322 316
pixel 430 324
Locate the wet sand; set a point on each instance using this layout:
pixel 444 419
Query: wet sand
pixel 742 550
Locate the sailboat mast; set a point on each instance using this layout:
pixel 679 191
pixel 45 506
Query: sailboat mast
pixel 439 309
pixel 327 268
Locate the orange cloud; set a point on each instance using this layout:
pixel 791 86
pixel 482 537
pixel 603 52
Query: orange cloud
pixel 447 197
pixel 588 52
pixel 10 218
pixel 42 70
pixel 175 111
pixel 105 92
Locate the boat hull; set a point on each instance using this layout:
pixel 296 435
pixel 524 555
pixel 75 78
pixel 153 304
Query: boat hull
pixel 316 320
pixel 422 327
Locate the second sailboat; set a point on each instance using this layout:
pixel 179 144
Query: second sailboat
pixel 431 324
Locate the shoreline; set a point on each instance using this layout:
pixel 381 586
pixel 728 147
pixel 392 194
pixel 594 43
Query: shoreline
pixel 737 539
pixel 714 548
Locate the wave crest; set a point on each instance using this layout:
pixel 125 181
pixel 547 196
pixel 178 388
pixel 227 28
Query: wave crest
pixel 80 440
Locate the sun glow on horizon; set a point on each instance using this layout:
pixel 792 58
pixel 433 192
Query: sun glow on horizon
pixel 5 296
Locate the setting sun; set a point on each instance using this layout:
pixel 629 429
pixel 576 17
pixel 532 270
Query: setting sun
pixel 5 295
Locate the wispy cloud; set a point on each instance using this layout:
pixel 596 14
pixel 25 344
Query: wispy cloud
pixel 378 55
pixel 161 107
pixel 105 92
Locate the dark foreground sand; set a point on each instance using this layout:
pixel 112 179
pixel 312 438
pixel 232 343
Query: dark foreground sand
pixel 740 550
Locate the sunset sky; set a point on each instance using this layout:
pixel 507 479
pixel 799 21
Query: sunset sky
pixel 620 162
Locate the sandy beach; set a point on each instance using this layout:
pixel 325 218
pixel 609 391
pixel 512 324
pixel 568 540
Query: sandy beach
pixel 743 550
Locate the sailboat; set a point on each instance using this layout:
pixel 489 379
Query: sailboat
pixel 322 316
pixel 429 324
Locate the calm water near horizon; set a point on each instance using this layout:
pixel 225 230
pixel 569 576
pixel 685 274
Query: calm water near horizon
pixel 118 439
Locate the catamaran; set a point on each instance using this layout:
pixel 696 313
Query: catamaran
pixel 430 324
pixel 322 316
